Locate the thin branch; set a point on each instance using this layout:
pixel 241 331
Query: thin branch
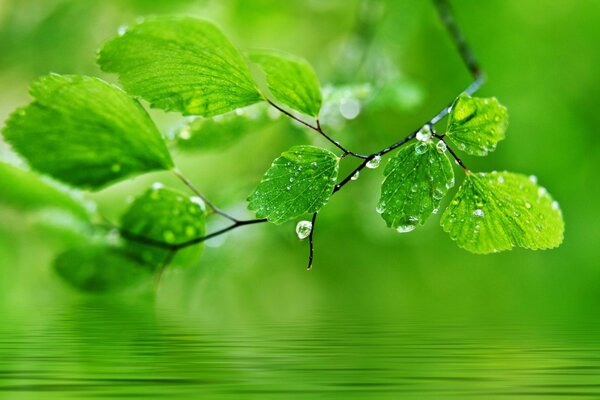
pixel 454 155
pixel 317 129
pixel 178 246
pixel 198 193
pixel 310 242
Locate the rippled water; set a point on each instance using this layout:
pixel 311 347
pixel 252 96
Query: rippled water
pixel 93 351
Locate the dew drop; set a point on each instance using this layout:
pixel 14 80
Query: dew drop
pixel 303 229
pixel 190 231
pixel 424 134
pixel 435 210
pixel 405 228
pixel 555 205
pixel 349 108
pixel 462 146
pixel 291 180
pixel 355 176
pixel 479 213
pixel 542 192
pixel 121 30
pixel 169 236
pixel 157 186
pixel 374 162
pixel 421 148
pixel 184 133
pixel 380 208
pixel 313 164
pixel 438 193
pixel 533 179
pixel 500 179
pixel 527 204
pixel 441 147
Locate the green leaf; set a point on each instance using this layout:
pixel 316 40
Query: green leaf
pixel 291 80
pixel 222 131
pixel 164 215
pixel 99 268
pixel 26 191
pixel 181 64
pixel 477 125
pixel 300 181
pixel 417 179
pixel 499 210
pixel 85 132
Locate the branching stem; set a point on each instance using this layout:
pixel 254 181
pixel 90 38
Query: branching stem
pixel 468 58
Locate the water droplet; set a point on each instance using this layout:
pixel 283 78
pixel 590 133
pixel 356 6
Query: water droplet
pixel 291 180
pixel 355 176
pixel 500 179
pixel 349 108
pixel 533 179
pixel 527 204
pixel 190 231
pixel 516 214
pixel 479 213
pixel 169 236
pixel 313 164
pixel 441 147
pixel 288 187
pixel 184 133
pixel 424 134
pixel 303 229
pixel 462 146
pixel 542 191
pixel 421 148
pixel 121 30
pixel 435 210
pixel 157 186
pixel 438 193
pixel 405 228
pixel 413 218
pixel 374 162
pixel 555 205
pixel 380 208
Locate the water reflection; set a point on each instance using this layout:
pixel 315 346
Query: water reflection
pixel 104 350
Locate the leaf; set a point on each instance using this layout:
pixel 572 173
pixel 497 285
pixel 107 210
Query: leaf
pixel 85 132
pixel 206 134
pixel 499 210
pixel 291 80
pixel 164 215
pixel 99 268
pixel 180 64
pixel 416 180
pixel 26 191
pixel 300 181
pixel 476 125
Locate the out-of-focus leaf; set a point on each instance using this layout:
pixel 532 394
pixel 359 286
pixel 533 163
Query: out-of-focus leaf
pixel 165 215
pixel 99 269
pixel 26 191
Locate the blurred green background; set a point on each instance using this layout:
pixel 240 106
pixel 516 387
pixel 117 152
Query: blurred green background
pixel 541 60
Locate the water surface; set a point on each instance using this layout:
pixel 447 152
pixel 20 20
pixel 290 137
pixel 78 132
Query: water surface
pixel 94 350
